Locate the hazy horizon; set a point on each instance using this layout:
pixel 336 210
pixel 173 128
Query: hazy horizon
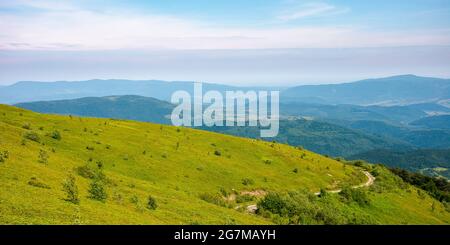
pixel 268 43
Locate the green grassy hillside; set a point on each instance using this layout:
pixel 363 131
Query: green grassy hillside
pixel 194 176
pixel 433 162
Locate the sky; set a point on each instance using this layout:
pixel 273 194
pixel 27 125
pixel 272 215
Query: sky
pixel 252 42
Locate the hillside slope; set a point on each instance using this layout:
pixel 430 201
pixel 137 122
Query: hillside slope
pixel 190 174
pixel 434 122
pixel 321 137
pixel 130 107
pixel 434 162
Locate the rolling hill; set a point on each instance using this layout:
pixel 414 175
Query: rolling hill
pixel 433 122
pixel 321 137
pixel 434 162
pixel 127 172
pixel 399 115
pixel 130 107
pixel 396 90
pixel 420 138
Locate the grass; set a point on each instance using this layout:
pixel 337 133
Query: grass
pixel 175 166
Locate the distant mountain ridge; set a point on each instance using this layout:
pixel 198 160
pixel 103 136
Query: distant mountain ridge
pixel 434 122
pixel 45 91
pixel 396 90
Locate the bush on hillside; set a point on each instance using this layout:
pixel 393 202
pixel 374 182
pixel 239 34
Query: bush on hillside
pixel 151 203
pixel 355 195
pixel 97 190
pixel 244 198
pixel 3 156
pixel 86 171
pixel 33 136
pixel 55 135
pixel 36 183
pixel 438 188
pixel 247 181
pixel 71 189
pixel 43 157
pixel 214 199
pixel 302 207
pixel 26 126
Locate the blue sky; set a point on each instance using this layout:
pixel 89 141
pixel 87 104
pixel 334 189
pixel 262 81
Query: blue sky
pixel 87 28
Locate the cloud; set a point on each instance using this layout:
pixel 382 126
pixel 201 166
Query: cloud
pixel 68 27
pixel 44 5
pixel 311 10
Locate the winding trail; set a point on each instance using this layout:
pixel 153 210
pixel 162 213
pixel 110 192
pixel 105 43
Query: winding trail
pixel 370 180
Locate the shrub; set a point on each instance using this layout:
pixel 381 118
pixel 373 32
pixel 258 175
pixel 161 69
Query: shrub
pixel 3 156
pixel 71 189
pixel 301 207
pixel 26 126
pixel 134 199
pixel 97 190
pixel 274 203
pixel 244 198
pixel 36 183
pixel 323 193
pixel 43 157
pixel 224 192
pixel 55 135
pixel 355 195
pixel 214 199
pixel 267 161
pixel 247 181
pixel 86 172
pixel 118 198
pixel 33 136
pixel 151 203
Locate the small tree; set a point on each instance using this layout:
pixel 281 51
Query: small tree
pixel 43 156
pixel 30 135
pixel 3 156
pixel 26 126
pixel 151 203
pixel 247 181
pixel 71 189
pixel 97 190
pixel 56 135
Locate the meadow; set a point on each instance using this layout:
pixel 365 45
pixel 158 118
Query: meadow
pixel 158 174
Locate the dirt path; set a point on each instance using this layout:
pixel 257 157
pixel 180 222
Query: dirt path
pixel 370 180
